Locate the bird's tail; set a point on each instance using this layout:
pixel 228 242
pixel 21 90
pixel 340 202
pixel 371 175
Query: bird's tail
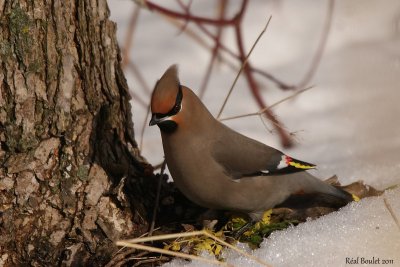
pixel 311 191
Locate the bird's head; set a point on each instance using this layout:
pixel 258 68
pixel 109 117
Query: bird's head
pixel 175 106
pixel 166 101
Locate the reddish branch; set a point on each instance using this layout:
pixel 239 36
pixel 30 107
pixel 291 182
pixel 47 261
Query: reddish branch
pixel 215 50
pixel 285 137
pixel 220 22
pixel 187 16
pixel 128 40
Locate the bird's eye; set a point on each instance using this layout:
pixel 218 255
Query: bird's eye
pixel 176 108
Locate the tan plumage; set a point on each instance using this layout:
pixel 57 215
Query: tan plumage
pixel 219 168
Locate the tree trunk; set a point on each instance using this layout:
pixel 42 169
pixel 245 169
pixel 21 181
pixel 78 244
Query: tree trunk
pixel 68 157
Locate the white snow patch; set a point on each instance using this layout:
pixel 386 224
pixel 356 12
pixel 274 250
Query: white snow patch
pixel 360 230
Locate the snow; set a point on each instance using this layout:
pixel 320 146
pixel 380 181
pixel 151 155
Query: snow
pixel 359 230
pixel 348 124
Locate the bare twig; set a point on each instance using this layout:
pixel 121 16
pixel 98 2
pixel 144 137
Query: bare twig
pixel 285 137
pixel 157 201
pixel 144 128
pixel 291 96
pixel 196 37
pixel 279 83
pixel 215 50
pixel 321 47
pixel 154 7
pixel 119 257
pixel 261 111
pixel 137 98
pixel 147 90
pixel 390 209
pixel 152 260
pixel 242 67
pixel 192 34
pixel 186 8
pixel 129 35
pixel 131 242
pixel 172 253
pixel 142 81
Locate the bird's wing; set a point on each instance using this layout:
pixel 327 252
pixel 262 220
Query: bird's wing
pixel 242 157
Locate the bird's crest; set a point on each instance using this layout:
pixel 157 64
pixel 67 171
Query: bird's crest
pixel 165 91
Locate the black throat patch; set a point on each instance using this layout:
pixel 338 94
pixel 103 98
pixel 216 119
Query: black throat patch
pixel 168 126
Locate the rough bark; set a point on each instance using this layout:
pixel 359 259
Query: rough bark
pixel 68 156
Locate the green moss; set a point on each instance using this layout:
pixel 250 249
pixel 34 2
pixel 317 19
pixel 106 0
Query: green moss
pixel 19 25
pixel 257 234
pixel 83 173
pixel 28 142
pixel 35 66
pixel 55 189
pixel 13 135
pixel 19 22
pixel 5 50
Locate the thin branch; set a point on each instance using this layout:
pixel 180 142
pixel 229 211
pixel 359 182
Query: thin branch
pixel 391 211
pixel 192 34
pixel 138 75
pixel 187 10
pixel 137 98
pixel 215 50
pixel 221 22
pixel 321 47
pixel 144 128
pixel 279 83
pixel 157 201
pixel 223 48
pixel 121 257
pixel 285 137
pixel 261 111
pixel 242 67
pixel 128 39
pixel 265 124
pixel 290 97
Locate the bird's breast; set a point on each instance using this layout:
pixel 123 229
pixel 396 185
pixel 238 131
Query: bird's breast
pixel 194 172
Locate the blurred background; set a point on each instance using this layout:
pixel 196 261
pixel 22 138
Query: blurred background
pixel 348 123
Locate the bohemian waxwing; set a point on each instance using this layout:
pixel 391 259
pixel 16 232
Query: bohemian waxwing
pixel 219 168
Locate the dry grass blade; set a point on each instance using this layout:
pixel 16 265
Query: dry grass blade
pixel 131 242
pixel 391 211
pixel 269 107
pixel 242 67
pixel 287 98
pixel 235 249
pixel 171 253
pixel 163 237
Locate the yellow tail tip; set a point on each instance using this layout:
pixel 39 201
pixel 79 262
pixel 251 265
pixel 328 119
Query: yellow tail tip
pixel 355 198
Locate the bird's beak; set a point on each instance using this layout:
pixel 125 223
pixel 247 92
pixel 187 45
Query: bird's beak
pixel 155 120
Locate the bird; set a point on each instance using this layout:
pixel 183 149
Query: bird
pixel 219 168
